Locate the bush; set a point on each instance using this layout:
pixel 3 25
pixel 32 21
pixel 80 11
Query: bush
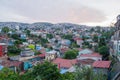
pixel 13 50
pixel 71 54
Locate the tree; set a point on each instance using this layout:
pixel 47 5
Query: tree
pixel 50 36
pixel 46 71
pixel 13 50
pixel 87 45
pixel 17 42
pixel 43 41
pixel 67 36
pixel 71 54
pixel 86 73
pixel 92 29
pixel 7 74
pixel 28 76
pixel 5 29
pixel 15 36
pixel 68 76
pixel 28 32
pixel 37 52
pixel 74 45
pixel 103 50
pixel 102 42
pixel 95 38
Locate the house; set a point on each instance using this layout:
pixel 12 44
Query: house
pixel 27 52
pixel 30 41
pixel 42 56
pixel 64 64
pixel 63 50
pixel 13 65
pixel 51 55
pixel 79 41
pixel 23 36
pixel 85 51
pixel 93 56
pixel 1 67
pixel 3 49
pixel 88 59
pixel 66 42
pixel 89 40
pixel 37 47
pixel 101 67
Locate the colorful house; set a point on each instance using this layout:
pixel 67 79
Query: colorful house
pixel 23 36
pixel 13 65
pixel 101 67
pixel 51 55
pixel 64 64
pixel 85 51
pixel 79 41
pixel 93 56
pixel 3 49
pixel 27 52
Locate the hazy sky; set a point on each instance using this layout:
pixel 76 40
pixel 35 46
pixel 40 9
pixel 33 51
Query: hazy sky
pixel 90 12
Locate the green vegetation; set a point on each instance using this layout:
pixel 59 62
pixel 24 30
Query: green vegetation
pixel 7 74
pixel 15 36
pixel 50 36
pixel 103 50
pixel 74 45
pixel 46 71
pixel 86 73
pixel 87 45
pixel 67 36
pixel 95 38
pixel 5 29
pixel 17 42
pixel 71 54
pixel 49 71
pixel 27 32
pixel 13 50
pixel 37 52
pixel 31 46
pixel 68 76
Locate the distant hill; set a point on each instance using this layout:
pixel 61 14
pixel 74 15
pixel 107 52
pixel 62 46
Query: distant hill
pixel 36 25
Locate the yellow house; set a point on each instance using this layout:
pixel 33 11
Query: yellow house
pixel 51 55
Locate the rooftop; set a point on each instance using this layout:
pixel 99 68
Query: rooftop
pixel 91 55
pixel 101 64
pixel 65 63
pixel 85 51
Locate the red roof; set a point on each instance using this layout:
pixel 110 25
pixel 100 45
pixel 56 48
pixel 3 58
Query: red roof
pixel 86 61
pixel 65 63
pixel 79 49
pixel 91 55
pixel 63 50
pixel 42 55
pixel 11 63
pixel 77 38
pixel 101 64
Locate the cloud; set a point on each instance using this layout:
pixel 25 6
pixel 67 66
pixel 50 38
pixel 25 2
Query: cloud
pixel 85 14
pixel 51 11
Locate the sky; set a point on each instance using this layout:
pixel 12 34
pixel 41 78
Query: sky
pixel 87 12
